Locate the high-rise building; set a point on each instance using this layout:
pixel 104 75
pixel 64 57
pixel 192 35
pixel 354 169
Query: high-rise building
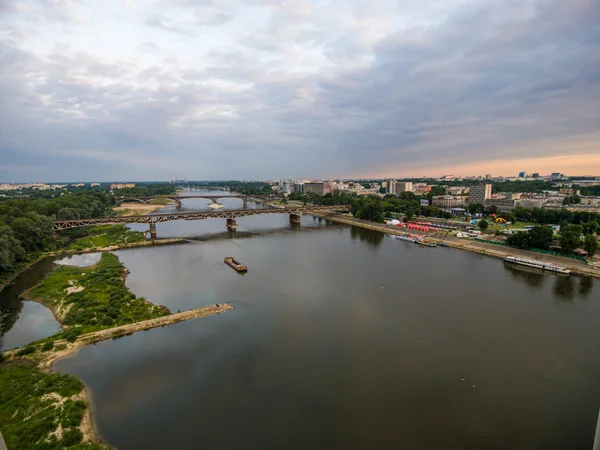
pixel 390 187
pixel 404 186
pixel 535 175
pixel 479 193
pixel 521 174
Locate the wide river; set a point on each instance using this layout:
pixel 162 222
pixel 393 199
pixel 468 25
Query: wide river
pixel 345 338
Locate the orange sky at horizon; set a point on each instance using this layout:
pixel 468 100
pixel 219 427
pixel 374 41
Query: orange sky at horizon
pixel 571 165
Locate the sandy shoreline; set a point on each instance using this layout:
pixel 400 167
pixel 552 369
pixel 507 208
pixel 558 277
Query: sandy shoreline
pixel 137 209
pixel 576 267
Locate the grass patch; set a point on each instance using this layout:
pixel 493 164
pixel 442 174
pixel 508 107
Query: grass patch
pixel 34 403
pixel 104 302
pixel 494 226
pixel 106 236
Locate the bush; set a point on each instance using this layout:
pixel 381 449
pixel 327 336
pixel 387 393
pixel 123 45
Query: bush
pixel 71 334
pixel 71 437
pixel 26 351
pixel 2 357
pixel 48 346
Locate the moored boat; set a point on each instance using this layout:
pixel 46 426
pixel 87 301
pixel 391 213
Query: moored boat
pixel 426 243
pixel 235 264
pixel 537 264
pixel 405 237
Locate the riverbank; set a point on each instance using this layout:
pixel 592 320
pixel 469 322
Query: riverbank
pixel 140 209
pixel 576 267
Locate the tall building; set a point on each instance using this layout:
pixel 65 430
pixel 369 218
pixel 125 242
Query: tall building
pixel 479 193
pixel 318 188
pixel 390 187
pixel 521 174
pixel 404 186
pixel 535 175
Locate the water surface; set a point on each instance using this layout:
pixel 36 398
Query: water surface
pixel 457 351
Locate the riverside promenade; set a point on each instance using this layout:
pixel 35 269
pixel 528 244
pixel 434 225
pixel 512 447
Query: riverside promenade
pixel 576 267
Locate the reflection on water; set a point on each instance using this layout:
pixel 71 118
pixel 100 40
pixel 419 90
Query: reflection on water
pixel 533 277
pixel 585 286
pixel 564 287
pixel 35 321
pixel 83 260
pixel 371 237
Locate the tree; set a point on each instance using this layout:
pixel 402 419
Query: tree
pixel 591 245
pixel 540 237
pixel 570 238
pixel 475 208
pixel 483 224
pixel 572 200
pixel 519 240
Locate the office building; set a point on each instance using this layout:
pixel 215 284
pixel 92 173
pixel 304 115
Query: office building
pixel 521 174
pixel 479 193
pixel 448 201
pixel 503 204
pixel 404 186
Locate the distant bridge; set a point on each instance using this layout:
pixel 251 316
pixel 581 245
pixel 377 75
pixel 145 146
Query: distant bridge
pixel 178 199
pixel 230 215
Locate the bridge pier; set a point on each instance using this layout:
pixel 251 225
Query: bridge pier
pixel 152 231
pixel 245 203
pixel 231 224
pixel 295 219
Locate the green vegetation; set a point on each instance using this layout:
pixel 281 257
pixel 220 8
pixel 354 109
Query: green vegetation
pixel 106 236
pixel 570 238
pixel 26 224
pixel 99 297
pixel 483 224
pixel 146 190
pixel 538 237
pixel 370 207
pixel 39 410
pixel 591 245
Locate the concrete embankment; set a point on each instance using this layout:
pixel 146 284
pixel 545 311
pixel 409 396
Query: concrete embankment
pixel 576 267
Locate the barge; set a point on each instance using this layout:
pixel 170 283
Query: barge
pixel 537 264
pixel 235 264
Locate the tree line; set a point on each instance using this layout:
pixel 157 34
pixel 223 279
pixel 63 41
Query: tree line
pixel 373 208
pixel 26 224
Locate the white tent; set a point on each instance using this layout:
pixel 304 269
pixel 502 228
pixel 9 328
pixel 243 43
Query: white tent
pixel 394 222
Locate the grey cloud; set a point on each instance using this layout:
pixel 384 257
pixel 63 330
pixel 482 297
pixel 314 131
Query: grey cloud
pixel 480 82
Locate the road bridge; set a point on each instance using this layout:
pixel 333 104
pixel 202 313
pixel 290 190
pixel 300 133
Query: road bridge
pixel 230 215
pixel 178 199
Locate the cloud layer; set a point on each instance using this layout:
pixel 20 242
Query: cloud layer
pixel 220 89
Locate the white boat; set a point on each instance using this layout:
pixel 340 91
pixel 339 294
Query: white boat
pixel 406 238
pixel 537 264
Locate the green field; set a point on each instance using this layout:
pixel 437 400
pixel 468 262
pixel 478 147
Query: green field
pixel 493 226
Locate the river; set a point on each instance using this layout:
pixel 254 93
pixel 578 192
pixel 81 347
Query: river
pixel 345 338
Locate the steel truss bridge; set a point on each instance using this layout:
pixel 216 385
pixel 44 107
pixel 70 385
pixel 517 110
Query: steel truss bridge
pixel 230 215
pixel 178 199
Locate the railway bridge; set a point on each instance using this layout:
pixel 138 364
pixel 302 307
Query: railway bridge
pixel 179 199
pixel 230 215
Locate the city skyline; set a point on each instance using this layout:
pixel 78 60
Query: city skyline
pixel 123 90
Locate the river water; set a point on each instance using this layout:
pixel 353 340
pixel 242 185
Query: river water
pixel 346 338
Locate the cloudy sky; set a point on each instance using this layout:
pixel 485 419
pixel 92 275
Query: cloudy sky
pixel 262 89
